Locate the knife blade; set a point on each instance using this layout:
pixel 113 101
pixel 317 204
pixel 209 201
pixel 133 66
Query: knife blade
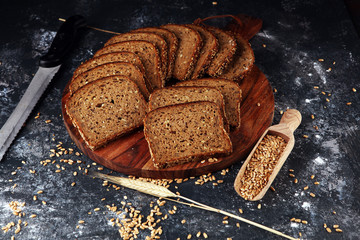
pixel 50 63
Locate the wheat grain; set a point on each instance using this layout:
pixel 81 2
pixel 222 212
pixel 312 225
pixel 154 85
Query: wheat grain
pixel 160 191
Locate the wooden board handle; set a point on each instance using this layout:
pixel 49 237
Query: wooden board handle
pixel 292 118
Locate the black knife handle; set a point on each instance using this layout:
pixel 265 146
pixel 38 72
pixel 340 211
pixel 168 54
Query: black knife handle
pixel 63 41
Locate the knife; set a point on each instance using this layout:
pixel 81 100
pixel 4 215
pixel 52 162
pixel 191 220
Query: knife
pixel 49 65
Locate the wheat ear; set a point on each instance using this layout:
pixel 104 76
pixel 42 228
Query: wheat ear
pixel 160 191
pixel 94 28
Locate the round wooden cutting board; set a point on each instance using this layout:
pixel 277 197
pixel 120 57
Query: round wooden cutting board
pixel 130 154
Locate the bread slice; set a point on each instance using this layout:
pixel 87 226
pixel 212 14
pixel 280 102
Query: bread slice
pixel 188 51
pixel 148 54
pixel 172 43
pixel 128 57
pixel 175 95
pixel 231 92
pixel 227 48
pixel 106 109
pixel 242 62
pixel 208 51
pixel 109 69
pixel 156 39
pixel 185 132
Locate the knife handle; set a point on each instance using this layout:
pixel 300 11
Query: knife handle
pixel 63 41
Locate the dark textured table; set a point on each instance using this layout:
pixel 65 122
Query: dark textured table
pixel 295 35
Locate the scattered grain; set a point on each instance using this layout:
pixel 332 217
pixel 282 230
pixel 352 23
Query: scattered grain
pixel 305 136
pixel 205 235
pixel 321 59
pixel 312 194
pixel 338 230
pixel 348 103
pixel 306 188
pixel 328 230
pixel 353 89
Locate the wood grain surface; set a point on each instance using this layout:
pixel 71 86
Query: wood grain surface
pixel 130 154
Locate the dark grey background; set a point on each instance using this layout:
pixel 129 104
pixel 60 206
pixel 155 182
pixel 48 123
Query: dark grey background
pixel 296 35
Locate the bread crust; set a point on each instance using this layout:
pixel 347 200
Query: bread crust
pixel 90 143
pixel 123 56
pixel 189 88
pixel 240 67
pixel 206 55
pixel 171 41
pixel 154 38
pixel 194 157
pixel 152 65
pixel 224 55
pixel 135 75
pixel 205 82
pixel 181 61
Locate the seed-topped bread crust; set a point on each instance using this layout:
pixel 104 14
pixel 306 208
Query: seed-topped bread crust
pixel 183 94
pixel 148 54
pixel 188 51
pixel 106 109
pixel 172 43
pixel 109 69
pixel 156 39
pixel 227 49
pixel 229 89
pixel 242 62
pixel 185 132
pixel 208 51
pixel 128 57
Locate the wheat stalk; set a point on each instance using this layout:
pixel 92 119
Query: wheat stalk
pixel 162 192
pixel 145 187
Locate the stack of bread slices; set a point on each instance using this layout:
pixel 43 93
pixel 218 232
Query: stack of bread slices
pixel 127 85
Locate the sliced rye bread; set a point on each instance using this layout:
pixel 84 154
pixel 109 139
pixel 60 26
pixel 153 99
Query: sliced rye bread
pixel 148 54
pixel 188 51
pixel 242 62
pixel 229 89
pixel 172 43
pixel 106 109
pixel 128 57
pixel 156 39
pixel 208 51
pixel 184 94
pixel 109 69
pixel 185 132
pixel 227 49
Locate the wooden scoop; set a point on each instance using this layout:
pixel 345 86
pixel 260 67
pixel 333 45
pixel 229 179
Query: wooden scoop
pixel 285 129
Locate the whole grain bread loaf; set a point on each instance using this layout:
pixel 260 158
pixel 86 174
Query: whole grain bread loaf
pixel 106 109
pixel 154 38
pixel 185 132
pixel 128 57
pixel 188 51
pixel 227 49
pixel 208 51
pixel 242 62
pixel 172 43
pixel 229 89
pixel 183 94
pixel 109 69
pixel 148 54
